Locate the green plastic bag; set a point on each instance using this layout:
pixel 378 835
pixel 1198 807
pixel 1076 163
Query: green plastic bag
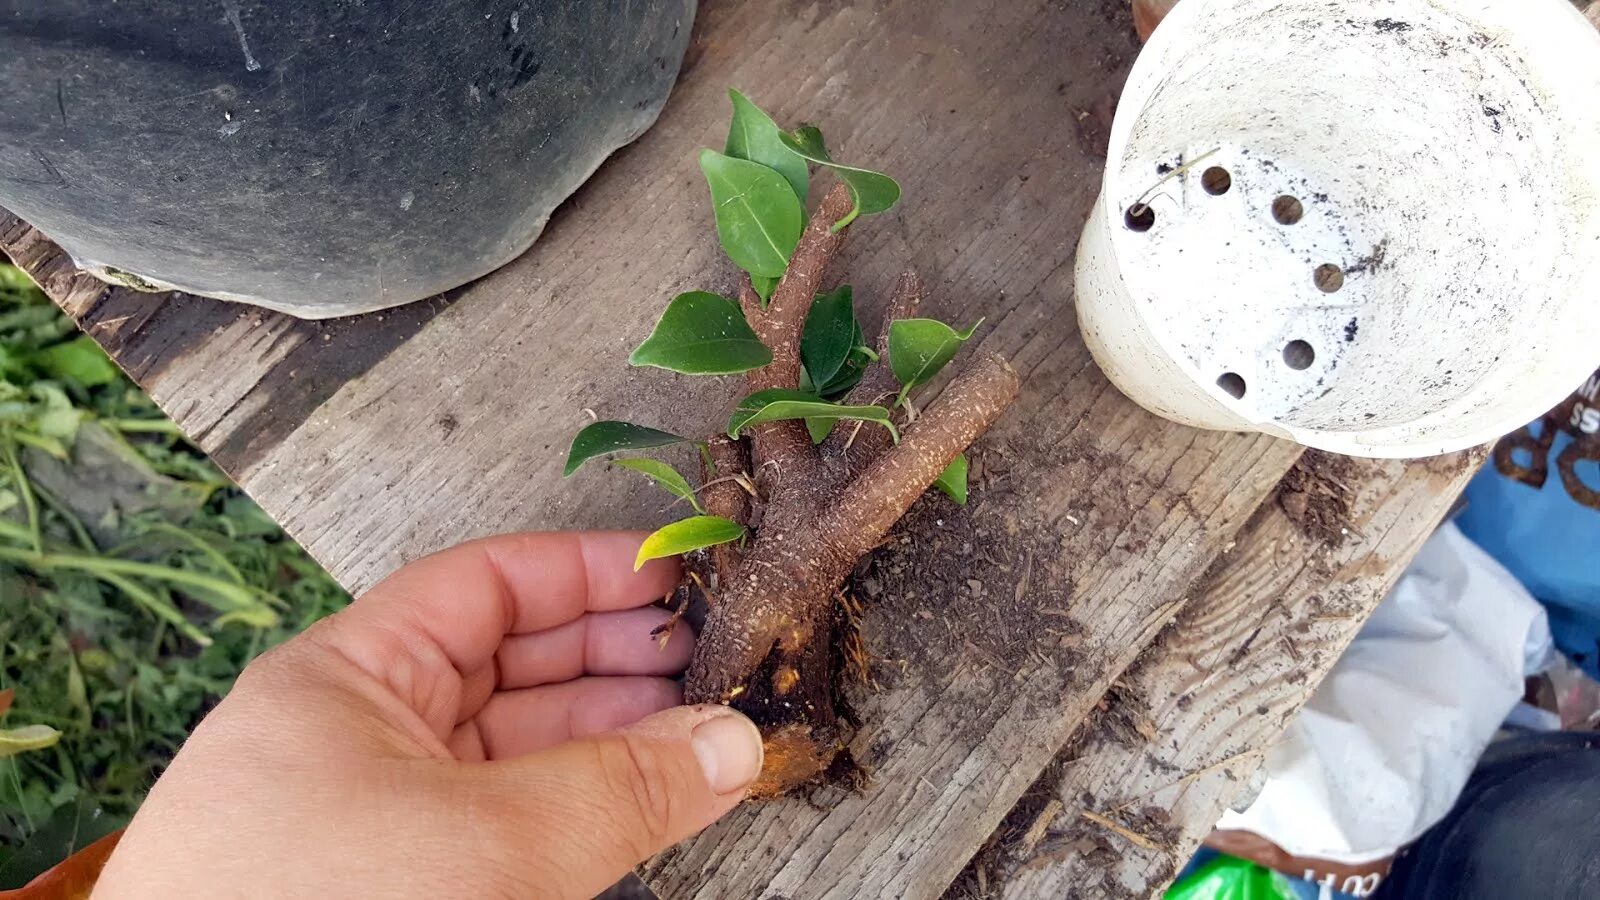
pixel 1230 878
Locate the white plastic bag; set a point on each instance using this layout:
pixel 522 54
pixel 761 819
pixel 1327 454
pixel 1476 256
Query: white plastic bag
pixel 1386 744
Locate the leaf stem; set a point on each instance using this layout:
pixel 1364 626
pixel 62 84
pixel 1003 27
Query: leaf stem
pixel 25 490
pixel 195 541
pixel 234 598
pixel 157 607
pixel 74 524
pixel 144 426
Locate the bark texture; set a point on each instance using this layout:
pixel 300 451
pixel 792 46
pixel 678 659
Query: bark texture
pixel 767 644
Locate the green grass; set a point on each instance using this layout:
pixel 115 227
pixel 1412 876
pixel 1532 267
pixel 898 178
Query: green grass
pixel 135 582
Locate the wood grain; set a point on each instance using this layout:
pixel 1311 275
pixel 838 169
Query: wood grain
pixel 1190 723
pixel 378 439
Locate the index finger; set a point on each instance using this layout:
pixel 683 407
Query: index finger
pixel 466 599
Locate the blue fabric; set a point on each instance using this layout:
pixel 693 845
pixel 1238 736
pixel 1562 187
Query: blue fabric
pixel 1527 518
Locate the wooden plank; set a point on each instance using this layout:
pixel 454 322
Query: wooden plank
pixel 378 439
pixel 1188 725
pixel 985 682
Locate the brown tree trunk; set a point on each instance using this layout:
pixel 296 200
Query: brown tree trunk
pixel 767 644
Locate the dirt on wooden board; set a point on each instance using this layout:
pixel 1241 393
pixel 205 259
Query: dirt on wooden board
pixel 1045 828
pixel 975 582
pixel 1315 495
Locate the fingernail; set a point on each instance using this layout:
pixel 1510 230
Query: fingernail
pixel 729 750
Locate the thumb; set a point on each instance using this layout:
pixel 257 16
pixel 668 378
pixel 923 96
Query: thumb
pixel 589 811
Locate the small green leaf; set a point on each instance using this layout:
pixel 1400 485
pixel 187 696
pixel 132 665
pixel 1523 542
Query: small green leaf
pixel 80 360
pixel 702 334
pixel 685 535
pixel 873 192
pixel 919 348
pixel 829 335
pixel 755 137
pixel 759 220
pixel 953 480
pixel 60 424
pixel 851 373
pixel 664 475
pixel 820 428
pixel 779 410
pixel 51 445
pixel 610 437
pixel 753 404
pixel 26 738
pixel 764 287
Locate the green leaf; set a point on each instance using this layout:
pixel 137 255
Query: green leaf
pixel 873 192
pixel 829 335
pixel 60 424
pixel 754 403
pixel 702 334
pixel 851 373
pixel 51 445
pixel 664 475
pixel 755 137
pixel 759 220
pixel 779 410
pixel 610 437
pixel 764 287
pixel 953 480
pixel 683 536
pixel 80 360
pixel 919 348
pixel 820 428
pixel 28 737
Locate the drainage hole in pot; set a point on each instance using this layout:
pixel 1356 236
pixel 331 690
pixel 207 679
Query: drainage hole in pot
pixel 1329 278
pixel 1233 383
pixel 1298 355
pixel 1286 210
pixel 1216 181
pixel 1139 217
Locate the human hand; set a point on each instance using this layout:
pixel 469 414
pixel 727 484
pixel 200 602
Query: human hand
pixel 493 720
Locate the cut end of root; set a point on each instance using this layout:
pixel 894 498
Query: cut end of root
pixel 792 759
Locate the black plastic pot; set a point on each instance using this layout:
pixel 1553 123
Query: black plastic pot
pixel 320 157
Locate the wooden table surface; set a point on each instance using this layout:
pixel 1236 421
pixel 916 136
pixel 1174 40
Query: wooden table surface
pixel 1138 608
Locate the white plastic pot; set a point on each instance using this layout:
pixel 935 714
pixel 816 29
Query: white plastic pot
pixel 1372 228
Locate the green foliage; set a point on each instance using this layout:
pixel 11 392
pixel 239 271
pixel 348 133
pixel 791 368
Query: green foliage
pixel 872 192
pixel 759 185
pixel 753 136
pixel 702 334
pixel 919 348
pixel 753 403
pixel 687 535
pixel 759 219
pixel 764 287
pixel 135 580
pixel 79 361
pixel 832 346
pixel 606 437
pixel 28 737
pixel 666 476
pixel 953 480
pixel 758 409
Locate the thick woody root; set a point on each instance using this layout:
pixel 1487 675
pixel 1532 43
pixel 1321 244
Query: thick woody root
pixel 767 644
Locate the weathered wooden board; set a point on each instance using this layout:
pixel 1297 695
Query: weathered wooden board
pixel 1187 726
pixel 377 439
